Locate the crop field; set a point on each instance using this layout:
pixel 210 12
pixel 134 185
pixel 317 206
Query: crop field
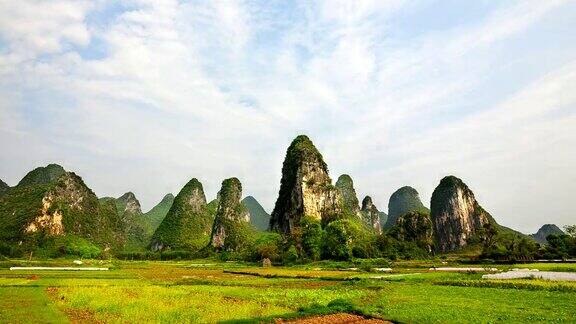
pixel 208 291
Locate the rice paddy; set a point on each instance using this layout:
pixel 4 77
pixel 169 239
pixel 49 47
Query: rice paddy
pixel 209 291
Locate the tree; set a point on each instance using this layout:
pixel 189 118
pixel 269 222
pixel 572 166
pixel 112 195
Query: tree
pixel 570 230
pixel 311 238
pixel 337 242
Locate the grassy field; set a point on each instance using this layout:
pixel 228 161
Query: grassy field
pixel 209 291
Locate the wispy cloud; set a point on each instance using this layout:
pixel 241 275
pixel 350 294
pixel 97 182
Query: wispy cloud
pixel 142 95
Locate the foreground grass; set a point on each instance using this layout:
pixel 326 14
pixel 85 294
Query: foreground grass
pixel 28 305
pixel 209 291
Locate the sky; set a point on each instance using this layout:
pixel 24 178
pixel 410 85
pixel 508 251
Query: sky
pixel 142 96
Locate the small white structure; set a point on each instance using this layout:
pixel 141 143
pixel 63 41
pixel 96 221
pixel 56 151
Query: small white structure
pixel 78 262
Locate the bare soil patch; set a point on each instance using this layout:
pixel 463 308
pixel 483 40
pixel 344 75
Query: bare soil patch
pixel 339 318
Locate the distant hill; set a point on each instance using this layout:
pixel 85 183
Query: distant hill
pixel 155 215
pixel 544 231
pixel 50 204
pixel 3 187
pixel 188 224
pixel 403 201
pixel 258 216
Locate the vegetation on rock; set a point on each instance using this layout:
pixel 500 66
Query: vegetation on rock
pixel 3 187
pixel 370 214
pixel 403 201
pixel 259 218
pixel 456 215
pixel 42 175
pixel 156 215
pixel 188 223
pixel 305 188
pixel 231 230
pixel 414 227
pixel 350 201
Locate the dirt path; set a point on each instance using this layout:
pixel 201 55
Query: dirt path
pixel 339 318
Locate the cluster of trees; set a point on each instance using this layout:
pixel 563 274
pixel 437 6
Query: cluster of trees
pixel 513 247
pixel 342 239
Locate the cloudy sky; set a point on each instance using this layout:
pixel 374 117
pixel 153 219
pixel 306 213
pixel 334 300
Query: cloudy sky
pixel 143 95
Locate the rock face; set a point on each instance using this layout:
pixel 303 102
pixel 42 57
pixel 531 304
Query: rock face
pixel 402 201
pixel 305 188
pixel 232 217
pixel 155 215
pixel 258 216
pixel 544 231
pixel 134 223
pixel 36 210
pixel 456 215
pixel 414 227
pixel 370 214
pixel 188 223
pixel 42 175
pixel 3 187
pixel 346 187
pixel 127 203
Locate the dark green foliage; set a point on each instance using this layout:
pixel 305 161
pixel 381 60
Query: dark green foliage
pixel 213 207
pixel 505 246
pixel 300 151
pixel 560 246
pixel 18 208
pixel 291 255
pixel 311 238
pixel 156 215
pixel 3 187
pixel 267 245
pixel 259 218
pixel 414 227
pixel 42 175
pixel 188 223
pixel 347 238
pixel 336 243
pixel 402 201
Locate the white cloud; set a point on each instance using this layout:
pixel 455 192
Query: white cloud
pixel 218 89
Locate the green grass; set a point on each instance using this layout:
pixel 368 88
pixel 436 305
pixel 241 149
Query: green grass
pixel 27 305
pixel 213 291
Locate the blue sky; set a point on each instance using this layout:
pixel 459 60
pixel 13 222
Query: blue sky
pixel 143 95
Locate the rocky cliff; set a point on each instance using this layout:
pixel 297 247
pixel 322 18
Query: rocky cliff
pixel 305 188
pixel 188 223
pixel 456 215
pixel 402 201
pixel 370 214
pixel 258 216
pixel 137 232
pixel 232 218
pixel 544 231
pixel 41 207
pixel 345 185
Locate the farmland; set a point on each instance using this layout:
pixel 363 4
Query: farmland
pixel 213 291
